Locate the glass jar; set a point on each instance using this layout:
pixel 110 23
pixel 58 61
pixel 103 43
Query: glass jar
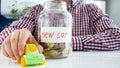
pixel 55 29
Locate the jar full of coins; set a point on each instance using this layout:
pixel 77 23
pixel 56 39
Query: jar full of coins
pixel 55 29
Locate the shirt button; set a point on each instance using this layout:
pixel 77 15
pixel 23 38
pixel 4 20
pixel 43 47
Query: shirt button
pixel 85 43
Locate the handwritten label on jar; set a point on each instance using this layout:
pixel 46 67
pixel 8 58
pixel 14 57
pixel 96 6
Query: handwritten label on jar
pixel 56 34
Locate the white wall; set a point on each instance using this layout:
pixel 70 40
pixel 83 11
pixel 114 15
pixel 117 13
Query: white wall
pixel 6 5
pixel 113 9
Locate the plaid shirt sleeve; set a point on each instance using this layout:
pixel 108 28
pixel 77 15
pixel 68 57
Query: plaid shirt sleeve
pixel 107 35
pixel 30 18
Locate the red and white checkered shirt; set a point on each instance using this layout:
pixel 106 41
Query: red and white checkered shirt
pixel 92 30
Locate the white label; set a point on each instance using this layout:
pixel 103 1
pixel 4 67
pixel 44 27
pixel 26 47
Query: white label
pixel 56 34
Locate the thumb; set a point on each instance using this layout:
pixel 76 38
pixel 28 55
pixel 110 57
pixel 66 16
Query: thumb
pixel 33 41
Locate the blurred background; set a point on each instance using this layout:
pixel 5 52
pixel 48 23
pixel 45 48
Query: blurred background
pixel 11 10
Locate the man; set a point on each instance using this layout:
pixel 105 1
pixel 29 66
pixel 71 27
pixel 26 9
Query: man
pixel 92 30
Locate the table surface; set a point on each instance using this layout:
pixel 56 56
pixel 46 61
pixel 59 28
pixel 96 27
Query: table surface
pixel 75 60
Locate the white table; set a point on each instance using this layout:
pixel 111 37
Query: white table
pixel 75 60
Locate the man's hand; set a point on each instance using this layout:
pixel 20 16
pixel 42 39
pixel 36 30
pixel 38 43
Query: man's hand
pixel 14 44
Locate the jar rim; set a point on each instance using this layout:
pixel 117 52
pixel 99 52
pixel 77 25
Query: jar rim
pixel 53 4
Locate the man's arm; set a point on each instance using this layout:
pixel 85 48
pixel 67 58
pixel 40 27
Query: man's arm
pixel 29 21
pixel 106 35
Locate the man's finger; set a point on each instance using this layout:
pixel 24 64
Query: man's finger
pixel 40 48
pixel 23 37
pixel 4 51
pixel 8 49
pixel 14 42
